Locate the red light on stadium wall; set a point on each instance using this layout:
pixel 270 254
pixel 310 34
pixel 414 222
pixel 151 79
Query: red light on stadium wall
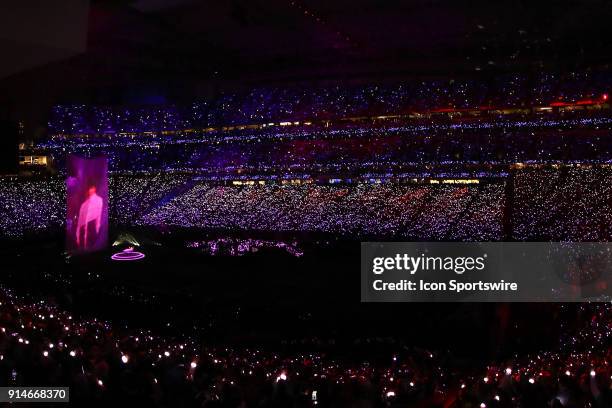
pixel 605 97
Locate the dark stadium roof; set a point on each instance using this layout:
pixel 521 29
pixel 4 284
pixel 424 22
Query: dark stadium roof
pixel 178 48
pixel 322 37
pixel 231 39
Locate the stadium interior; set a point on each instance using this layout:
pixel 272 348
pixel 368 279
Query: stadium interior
pixel 251 146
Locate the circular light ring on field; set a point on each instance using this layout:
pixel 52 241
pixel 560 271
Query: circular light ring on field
pixel 127 254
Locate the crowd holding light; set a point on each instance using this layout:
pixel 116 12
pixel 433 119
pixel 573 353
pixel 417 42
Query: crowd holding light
pixel 363 209
pixel 355 162
pixel 440 212
pixel 354 148
pixel 311 102
pixel 103 362
pixel 133 196
pixel 570 204
pixel 357 129
pixel 567 204
pixel 33 206
pixel 238 246
pixel 172 166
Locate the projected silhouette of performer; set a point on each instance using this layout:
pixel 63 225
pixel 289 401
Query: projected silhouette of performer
pixel 90 211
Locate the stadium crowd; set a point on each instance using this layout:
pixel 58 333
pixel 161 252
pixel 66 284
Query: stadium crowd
pixel 33 206
pixel 362 147
pixel 310 102
pixel 401 210
pixel 570 204
pixel 294 166
pixel 42 344
pixel 440 212
pixel 239 247
pixel 562 204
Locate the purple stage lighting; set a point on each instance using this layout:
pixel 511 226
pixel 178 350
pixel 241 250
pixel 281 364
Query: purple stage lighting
pixel 87 204
pixel 127 254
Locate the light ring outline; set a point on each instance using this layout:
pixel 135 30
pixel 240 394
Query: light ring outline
pixel 127 254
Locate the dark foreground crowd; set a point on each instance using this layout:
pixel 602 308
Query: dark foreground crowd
pixel 102 364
